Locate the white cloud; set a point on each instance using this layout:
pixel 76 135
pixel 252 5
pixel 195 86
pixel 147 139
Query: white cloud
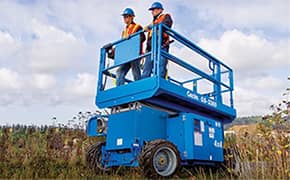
pixel 9 79
pixel 99 16
pixel 251 102
pixel 84 85
pixel 267 83
pixel 8 46
pixel 248 52
pixel 244 14
pixel 253 96
pixel 43 81
pixel 54 50
pixel 11 84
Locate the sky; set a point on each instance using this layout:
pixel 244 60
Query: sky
pixel 49 50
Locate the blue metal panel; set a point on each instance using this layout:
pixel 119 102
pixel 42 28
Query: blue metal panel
pixel 125 128
pixel 208 142
pixel 92 127
pixel 147 88
pixel 218 141
pixel 188 131
pixel 127 50
pixel 114 158
pixel 175 134
pixel 179 131
pixel 128 60
pixel 121 130
pixel 138 90
pixel 195 99
pixel 127 132
pixel 196 137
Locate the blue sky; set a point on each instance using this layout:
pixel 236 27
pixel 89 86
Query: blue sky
pixel 49 50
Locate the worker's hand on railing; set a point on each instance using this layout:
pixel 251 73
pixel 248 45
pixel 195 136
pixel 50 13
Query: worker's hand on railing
pixel 126 36
pixel 167 43
pixel 108 46
pixel 148 27
pixel 111 53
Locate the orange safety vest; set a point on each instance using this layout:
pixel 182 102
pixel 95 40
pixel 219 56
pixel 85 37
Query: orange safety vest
pixel 159 20
pixel 130 29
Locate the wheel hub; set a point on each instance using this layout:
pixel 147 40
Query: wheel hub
pixel 164 161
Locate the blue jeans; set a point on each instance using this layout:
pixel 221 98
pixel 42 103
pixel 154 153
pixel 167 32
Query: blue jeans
pixel 148 66
pixel 123 70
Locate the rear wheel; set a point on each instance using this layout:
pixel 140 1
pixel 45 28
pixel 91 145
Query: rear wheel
pixel 159 158
pixel 94 157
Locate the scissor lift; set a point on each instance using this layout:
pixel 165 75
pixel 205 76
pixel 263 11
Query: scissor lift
pixel 160 124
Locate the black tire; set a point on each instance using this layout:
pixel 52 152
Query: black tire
pixel 152 161
pixel 94 157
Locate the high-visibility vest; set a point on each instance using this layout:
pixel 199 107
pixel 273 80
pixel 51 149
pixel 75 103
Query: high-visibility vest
pixel 159 20
pixel 131 29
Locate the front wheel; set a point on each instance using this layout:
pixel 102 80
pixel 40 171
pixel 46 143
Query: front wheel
pixel 94 157
pixel 159 158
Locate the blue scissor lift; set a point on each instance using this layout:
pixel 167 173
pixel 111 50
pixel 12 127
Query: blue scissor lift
pixel 160 124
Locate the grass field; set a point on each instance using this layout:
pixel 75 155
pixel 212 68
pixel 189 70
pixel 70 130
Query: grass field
pixel 261 152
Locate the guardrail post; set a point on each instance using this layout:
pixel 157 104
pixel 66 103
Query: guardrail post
pixel 101 69
pixel 194 86
pixel 231 78
pixel 158 52
pixel 153 49
pixel 217 86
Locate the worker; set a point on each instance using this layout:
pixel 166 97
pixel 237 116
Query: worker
pixel 131 28
pixel 158 17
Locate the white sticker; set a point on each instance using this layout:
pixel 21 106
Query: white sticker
pixel 218 144
pixel 218 124
pixel 211 132
pixel 198 139
pixel 119 141
pixel 202 126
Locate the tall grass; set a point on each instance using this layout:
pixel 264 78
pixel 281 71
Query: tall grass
pixel 264 152
pixel 50 152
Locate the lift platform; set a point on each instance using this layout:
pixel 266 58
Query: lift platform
pixel 170 93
